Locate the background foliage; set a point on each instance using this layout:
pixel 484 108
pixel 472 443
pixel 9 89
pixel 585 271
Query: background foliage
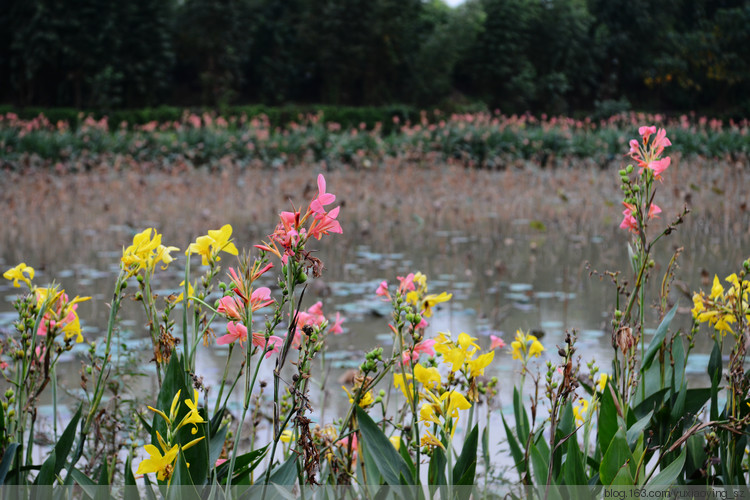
pixel 554 56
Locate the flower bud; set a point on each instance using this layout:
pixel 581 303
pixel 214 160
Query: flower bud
pixel 623 172
pixel 9 394
pixel 629 169
pixel 636 188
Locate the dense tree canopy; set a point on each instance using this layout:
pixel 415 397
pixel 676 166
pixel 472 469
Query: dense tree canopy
pixel 554 56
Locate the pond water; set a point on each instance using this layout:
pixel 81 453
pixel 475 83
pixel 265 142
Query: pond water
pixel 516 250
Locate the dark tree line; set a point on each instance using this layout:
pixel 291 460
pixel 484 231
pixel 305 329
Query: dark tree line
pixel 555 56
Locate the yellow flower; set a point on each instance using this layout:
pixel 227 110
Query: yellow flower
pixel 193 417
pixel 429 439
pixel 428 377
pixel 19 273
pixel 403 382
pixel 580 411
pixel 395 441
pixel 602 382
pixel 286 436
pixel 456 401
pixel 456 357
pixel 536 347
pixel 161 464
pixel 432 300
pixel 525 346
pixel 191 293
pixel 465 341
pixel 209 246
pixel 428 414
pixel 717 291
pixel 365 399
pixel 146 252
pixel 202 247
pixel 476 366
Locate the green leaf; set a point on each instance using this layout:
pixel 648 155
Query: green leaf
pixel 678 356
pixel 696 454
pixel 515 449
pixel 522 419
pixel 651 403
pixel 696 399
pixel 617 457
pixel 403 450
pixel 86 483
pixel 540 465
pixel 678 406
pixel 636 430
pixel 131 489
pixel 181 485
pixel 567 420
pixel 607 421
pixel 467 460
pixel 217 444
pixel 669 474
pixel 65 443
pixel 46 475
pixel 8 456
pixel 658 340
pixel 623 478
pixel 573 473
pixel 243 465
pixel 436 471
pixel 286 473
pixel 715 364
pixel 386 458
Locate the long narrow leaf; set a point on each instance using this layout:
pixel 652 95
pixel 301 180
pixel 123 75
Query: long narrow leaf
pixel 387 459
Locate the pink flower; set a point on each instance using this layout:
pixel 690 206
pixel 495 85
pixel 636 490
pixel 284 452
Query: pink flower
pixel 238 332
pixel 645 132
pixel 261 298
pixel 232 307
pixel 235 332
pixel 660 142
pixel 653 210
pixel 629 222
pixel 326 223
pixel 219 461
pixel 406 284
pixel 659 166
pixel 423 347
pixel 497 342
pixel 336 327
pixel 382 290
pixel 274 342
pixel 323 198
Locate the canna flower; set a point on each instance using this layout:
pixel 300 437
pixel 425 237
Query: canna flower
pixel 423 347
pixel 430 440
pixel 365 399
pixel 209 246
pixel 235 332
pixel 428 377
pixel 395 441
pixel 580 411
pixel 191 293
pixel 602 382
pixel 403 382
pixel 323 198
pixel 162 465
pixel 526 346
pixel 286 436
pixel 335 328
pixel 476 366
pixel 145 252
pixel 431 301
pixel 21 272
pixel 497 342
pixel 382 291
pixel 325 224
